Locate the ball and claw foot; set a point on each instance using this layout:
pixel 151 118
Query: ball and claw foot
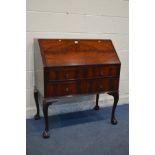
pixel 45 135
pixel 114 121
pixel 96 108
pixel 36 117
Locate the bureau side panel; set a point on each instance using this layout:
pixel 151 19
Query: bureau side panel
pixel 38 67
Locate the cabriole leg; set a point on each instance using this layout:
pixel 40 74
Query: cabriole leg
pixel 97 106
pixel 116 98
pixel 37 116
pixel 45 112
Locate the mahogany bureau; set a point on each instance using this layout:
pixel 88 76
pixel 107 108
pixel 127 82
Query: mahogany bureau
pixel 72 67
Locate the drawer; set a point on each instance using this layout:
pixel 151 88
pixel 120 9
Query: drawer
pixel 99 85
pixel 63 74
pixel 101 72
pixel 74 73
pixel 61 89
pixel 81 87
pixel 108 85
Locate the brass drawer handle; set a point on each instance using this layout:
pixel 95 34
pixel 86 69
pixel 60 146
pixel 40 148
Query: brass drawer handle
pixel 67 89
pixel 66 75
pixel 101 73
pixel 101 86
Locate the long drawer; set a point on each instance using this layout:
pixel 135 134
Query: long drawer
pixel 74 73
pixel 81 87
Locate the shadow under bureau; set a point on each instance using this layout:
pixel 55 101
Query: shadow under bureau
pixel 72 67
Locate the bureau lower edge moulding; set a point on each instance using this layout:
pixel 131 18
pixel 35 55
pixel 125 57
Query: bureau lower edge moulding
pixel 74 67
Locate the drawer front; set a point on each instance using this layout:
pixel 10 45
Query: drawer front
pixel 100 85
pixel 62 74
pixel 61 89
pixel 81 87
pixel 82 73
pixel 101 72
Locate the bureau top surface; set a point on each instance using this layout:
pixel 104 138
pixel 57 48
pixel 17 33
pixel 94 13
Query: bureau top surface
pixel 76 52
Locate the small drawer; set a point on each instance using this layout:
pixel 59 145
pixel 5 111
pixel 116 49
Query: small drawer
pixel 99 85
pixel 61 89
pixel 107 85
pixel 62 74
pixel 105 71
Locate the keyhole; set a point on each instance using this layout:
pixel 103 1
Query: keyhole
pixel 101 73
pixel 101 86
pixel 67 89
pixel 66 75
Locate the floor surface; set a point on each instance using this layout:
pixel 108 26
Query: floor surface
pixel 81 133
